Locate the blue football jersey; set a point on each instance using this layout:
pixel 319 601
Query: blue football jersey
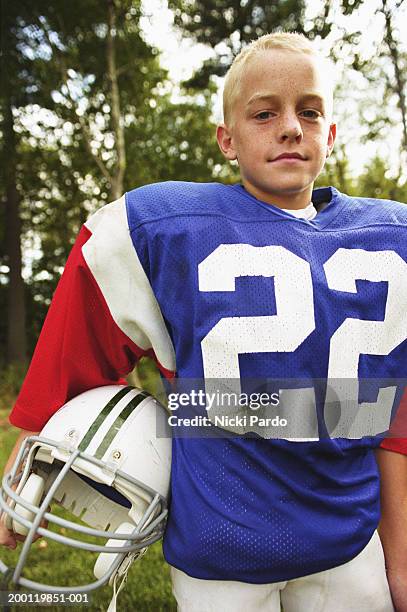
pixel 246 290
pixel 219 287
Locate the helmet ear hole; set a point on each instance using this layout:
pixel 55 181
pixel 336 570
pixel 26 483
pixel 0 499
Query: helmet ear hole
pixel 31 492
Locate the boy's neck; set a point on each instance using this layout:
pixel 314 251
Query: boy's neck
pixel 294 201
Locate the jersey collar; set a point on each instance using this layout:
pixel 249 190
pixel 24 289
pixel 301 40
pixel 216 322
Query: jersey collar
pixel 327 200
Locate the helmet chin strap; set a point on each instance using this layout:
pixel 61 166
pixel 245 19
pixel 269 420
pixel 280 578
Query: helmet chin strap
pixel 121 574
pixel 116 591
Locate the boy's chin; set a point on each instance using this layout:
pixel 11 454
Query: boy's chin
pixel 286 188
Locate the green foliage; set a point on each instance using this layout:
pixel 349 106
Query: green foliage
pixel 172 142
pixel 63 124
pixel 150 380
pixel 61 100
pixel 233 24
pixel 348 6
pixel 8 434
pixel 377 182
pixel 11 378
pixel 215 21
pixel 336 173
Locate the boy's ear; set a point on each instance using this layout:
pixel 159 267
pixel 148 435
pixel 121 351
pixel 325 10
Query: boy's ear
pixel 225 141
pixel 331 139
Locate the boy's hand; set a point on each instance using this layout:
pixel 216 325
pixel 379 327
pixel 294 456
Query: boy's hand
pixel 9 538
pixel 392 531
pixel 397 580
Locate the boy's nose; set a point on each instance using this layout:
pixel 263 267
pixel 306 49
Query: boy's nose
pixel 290 128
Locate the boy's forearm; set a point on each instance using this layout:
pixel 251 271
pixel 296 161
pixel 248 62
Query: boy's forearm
pixel 393 522
pixel 10 461
pixel 23 434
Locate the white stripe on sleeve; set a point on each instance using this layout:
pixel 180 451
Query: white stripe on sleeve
pixel 115 265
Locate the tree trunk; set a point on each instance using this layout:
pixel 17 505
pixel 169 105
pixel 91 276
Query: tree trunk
pixel 16 329
pixel 118 176
pixel 400 85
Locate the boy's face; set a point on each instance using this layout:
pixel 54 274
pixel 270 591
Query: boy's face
pixel 283 108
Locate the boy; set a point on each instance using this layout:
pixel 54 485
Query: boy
pixel 252 280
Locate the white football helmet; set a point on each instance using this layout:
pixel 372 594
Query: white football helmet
pixel 106 457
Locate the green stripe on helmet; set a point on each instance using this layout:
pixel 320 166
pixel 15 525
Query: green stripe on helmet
pixel 86 440
pixel 118 422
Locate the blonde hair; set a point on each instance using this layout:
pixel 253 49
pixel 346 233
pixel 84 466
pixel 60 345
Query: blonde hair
pixel 290 41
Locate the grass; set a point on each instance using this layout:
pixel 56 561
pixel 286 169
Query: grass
pixel 148 586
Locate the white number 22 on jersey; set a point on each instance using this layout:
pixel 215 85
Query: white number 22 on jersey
pixel 295 318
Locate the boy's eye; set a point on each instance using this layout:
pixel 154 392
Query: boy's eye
pixel 263 115
pixel 310 114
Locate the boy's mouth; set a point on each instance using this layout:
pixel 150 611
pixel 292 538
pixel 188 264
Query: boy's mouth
pixel 289 156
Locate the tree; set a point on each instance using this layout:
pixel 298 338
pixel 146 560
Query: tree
pixel 337 172
pixel 102 71
pixel 119 130
pixel 383 71
pixel 231 25
pixel 15 90
pixel 376 182
pixel 99 120
pixel 399 63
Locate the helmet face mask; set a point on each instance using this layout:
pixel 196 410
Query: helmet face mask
pixel 110 471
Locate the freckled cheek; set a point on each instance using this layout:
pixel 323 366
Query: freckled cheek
pixel 319 145
pixel 252 148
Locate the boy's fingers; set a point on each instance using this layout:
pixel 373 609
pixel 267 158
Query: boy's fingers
pixel 21 538
pixel 10 542
pixel 8 539
pixel 44 524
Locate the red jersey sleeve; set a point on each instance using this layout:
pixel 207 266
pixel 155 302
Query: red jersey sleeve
pixel 86 340
pixel 397 439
